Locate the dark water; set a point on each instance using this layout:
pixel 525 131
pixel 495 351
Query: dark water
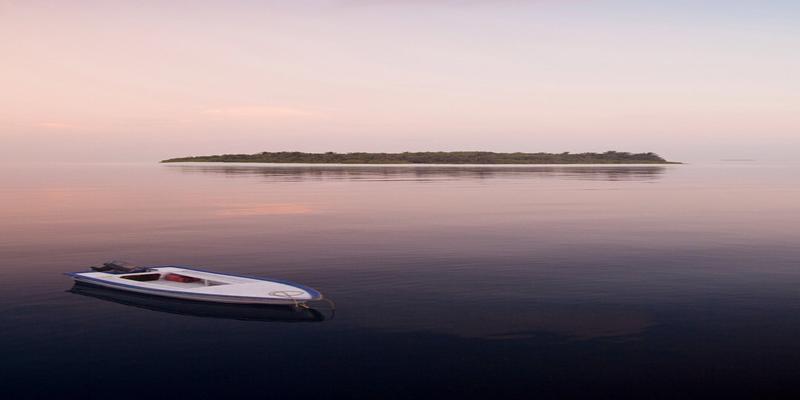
pixel 453 282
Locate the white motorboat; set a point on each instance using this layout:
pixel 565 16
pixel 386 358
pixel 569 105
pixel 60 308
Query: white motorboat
pixel 195 284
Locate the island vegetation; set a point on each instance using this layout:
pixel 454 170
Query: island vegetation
pixel 440 157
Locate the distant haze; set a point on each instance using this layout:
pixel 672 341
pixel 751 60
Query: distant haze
pixel 143 81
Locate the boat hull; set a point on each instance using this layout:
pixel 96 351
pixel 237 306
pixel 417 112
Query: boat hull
pixel 203 309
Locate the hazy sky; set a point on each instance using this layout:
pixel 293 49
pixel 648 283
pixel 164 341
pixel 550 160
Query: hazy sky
pixel 144 80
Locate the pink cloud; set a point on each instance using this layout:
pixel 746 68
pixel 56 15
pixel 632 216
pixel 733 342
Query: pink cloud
pixel 259 111
pixel 55 125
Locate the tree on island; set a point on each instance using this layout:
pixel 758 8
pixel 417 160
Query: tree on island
pixel 439 157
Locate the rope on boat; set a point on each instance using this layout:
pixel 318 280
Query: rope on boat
pixel 291 293
pixel 288 294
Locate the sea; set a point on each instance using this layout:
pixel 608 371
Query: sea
pixel 446 282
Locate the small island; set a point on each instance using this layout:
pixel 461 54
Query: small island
pixel 438 157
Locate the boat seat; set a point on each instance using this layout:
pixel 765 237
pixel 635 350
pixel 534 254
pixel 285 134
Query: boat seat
pixel 143 277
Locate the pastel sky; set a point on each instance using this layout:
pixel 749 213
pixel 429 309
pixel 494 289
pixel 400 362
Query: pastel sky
pixel 145 80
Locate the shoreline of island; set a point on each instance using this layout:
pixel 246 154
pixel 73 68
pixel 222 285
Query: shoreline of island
pixel 440 157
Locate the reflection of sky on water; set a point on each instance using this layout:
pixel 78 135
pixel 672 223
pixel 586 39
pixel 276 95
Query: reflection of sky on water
pixel 574 265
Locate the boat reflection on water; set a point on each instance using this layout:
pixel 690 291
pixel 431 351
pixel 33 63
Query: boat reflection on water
pixel 242 312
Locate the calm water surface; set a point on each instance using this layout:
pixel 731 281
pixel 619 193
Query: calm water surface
pixel 455 282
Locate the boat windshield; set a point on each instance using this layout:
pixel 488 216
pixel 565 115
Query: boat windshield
pixel 119 267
